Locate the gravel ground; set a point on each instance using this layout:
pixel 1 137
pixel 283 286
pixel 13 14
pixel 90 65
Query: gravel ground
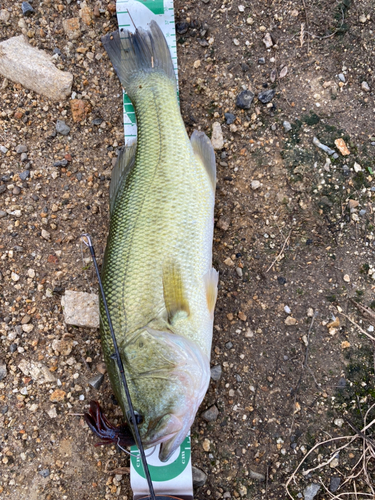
pixel 294 245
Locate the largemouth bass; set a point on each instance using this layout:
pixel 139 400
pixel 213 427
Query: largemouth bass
pixel 157 271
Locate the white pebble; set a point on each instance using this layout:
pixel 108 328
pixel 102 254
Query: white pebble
pixel 255 185
pixel 287 309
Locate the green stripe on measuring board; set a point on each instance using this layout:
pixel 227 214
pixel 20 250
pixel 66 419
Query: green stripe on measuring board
pixel 142 12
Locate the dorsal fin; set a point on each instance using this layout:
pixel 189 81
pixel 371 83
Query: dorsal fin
pixel 124 165
pixel 211 280
pixel 203 149
pixel 174 293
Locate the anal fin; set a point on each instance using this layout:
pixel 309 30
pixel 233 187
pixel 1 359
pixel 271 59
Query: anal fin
pixel 124 165
pixel 204 151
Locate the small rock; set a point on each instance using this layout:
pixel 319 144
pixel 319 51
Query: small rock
pixel 233 128
pixel 334 484
pixel 81 309
pixel 223 224
pixel 261 60
pixel 257 476
pixel 229 262
pixel 33 69
pixel 216 372
pixel 28 328
pixel 31 273
pixel 72 28
pixel 244 99
pixel 96 381
pixel 281 280
pixel 342 77
pixel 242 490
pixel 57 395
pixel 211 414
pixel 362 18
pixel 3 149
pixel 341 146
pixel 206 445
pixel 255 185
pixel 2 214
pixel 242 316
pixel 44 472
pixel 24 157
pixel 86 14
pixel 236 41
pixel 287 126
pixel 357 167
pixel 80 109
pixel 24 175
pixel 267 40
pixel 245 67
pixel 4 15
pixel 287 309
pixel 52 413
pixel 239 273
pixel 21 148
pixel 46 235
pixel 63 346
pixel 311 490
pixel 241 8
pixel 339 422
pixel 365 86
pixel 266 96
pixel 3 369
pixel 182 28
pixel 229 344
pixel 199 477
pixel 334 463
pixel 217 138
pixel 102 368
pixel 62 128
pixel 27 10
pixel 290 321
pixel 14 276
pixel 229 118
pixel 60 163
pixel 346 278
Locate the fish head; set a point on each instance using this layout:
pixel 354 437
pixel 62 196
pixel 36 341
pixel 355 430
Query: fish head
pixel 170 385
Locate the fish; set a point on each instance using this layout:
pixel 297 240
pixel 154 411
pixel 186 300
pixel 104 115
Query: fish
pixel 157 272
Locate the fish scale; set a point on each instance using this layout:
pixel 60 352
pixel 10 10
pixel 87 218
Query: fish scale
pixel 159 250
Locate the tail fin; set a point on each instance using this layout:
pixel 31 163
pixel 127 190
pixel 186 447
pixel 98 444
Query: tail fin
pixel 134 55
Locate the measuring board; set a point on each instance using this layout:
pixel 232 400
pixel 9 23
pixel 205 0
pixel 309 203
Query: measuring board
pixel 142 12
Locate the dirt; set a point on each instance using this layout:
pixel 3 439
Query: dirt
pixel 291 249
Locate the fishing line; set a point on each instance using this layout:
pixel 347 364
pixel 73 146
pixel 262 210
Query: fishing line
pixel 132 454
pixel 87 241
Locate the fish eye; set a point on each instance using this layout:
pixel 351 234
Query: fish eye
pixel 138 418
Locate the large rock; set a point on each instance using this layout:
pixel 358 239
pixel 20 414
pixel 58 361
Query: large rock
pixel 81 309
pixel 34 69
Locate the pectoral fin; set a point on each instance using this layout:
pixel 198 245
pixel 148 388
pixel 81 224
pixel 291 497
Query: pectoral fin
pixel 211 280
pixel 174 294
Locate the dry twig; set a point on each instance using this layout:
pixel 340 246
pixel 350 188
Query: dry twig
pixel 281 251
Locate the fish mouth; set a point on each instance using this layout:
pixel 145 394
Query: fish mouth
pixel 169 431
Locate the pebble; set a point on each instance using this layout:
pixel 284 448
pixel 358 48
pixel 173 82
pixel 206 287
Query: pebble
pixel 241 8
pixel 223 224
pixel 96 381
pixel 334 484
pixel 287 309
pixel 60 163
pixel 334 463
pixel 211 414
pixel 267 40
pixel 72 28
pixel 236 41
pixel 217 138
pixel 229 118
pixel 62 128
pixel 3 188
pixel 342 147
pixel 229 345
pixel 3 149
pixel 287 126
pixel 311 491
pixel 339 422
pixel 216 372
pixel 46 235
pixel 81 309
pixel 290 321
pixel 255 185
pixel 261 60
pixel 365 86
pixel 4 15
pixel 182 28
pixel 28 328
pixel 24 175
pixel 266 96
pixel 52 413
pixel 27 10
pixel 2 214
pixel 342 77
pixel 346 278
pixel 21 148
pixel 57 395
pixel 239 272
pixel 357 167
pixel 3 370
pixel 24 157
pixel 33 69
pixel 199 477
pixel 206 445
pixel 80 109
pixel 15 276
pixel 44 472
pixel 242 490
pixel 257 476
pixel 244 99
